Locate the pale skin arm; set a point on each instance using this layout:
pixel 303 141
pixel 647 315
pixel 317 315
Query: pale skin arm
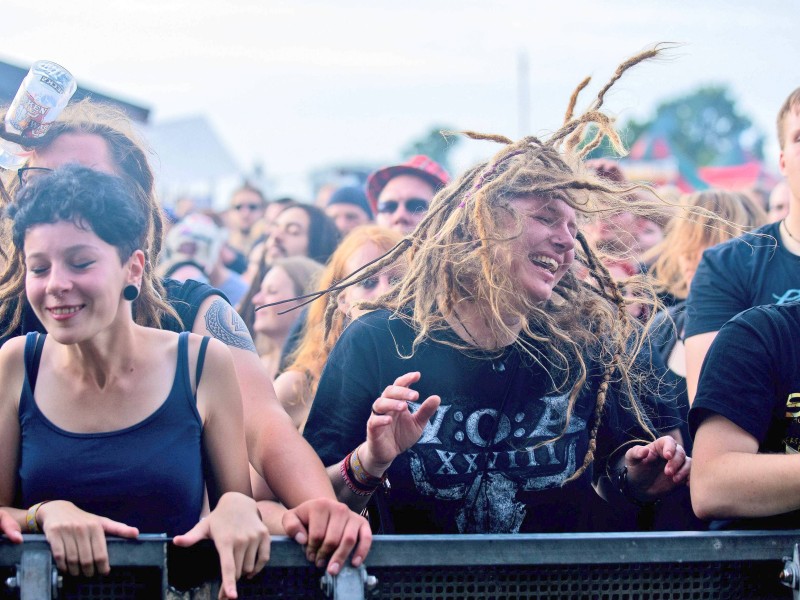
pixel 280 455
pixel 390 432
pixel 657 468
pixel 241 539
pixel 10 528
pixel 696 347
pixel 77 538
pixel 290 388
pixel 731 479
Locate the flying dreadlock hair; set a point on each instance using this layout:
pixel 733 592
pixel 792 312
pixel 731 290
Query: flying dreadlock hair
pixel 459 253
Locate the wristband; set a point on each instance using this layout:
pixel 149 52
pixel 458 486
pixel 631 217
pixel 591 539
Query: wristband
pixel 625 490
pixel 30 517
pixel 362 475
pixel 357 488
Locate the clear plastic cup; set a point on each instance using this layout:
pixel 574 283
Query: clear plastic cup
pixel 43 94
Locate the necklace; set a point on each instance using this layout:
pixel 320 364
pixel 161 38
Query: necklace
pixel 786 229
pixel 497 362
pixel 467 331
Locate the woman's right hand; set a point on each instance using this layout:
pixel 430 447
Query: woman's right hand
pixel 393 428
pixel 78 538
pixel 10 528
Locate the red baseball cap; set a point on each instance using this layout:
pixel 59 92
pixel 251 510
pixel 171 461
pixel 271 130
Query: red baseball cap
pixel 420 165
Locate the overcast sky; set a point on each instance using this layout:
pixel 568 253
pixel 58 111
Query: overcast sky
pixel 305 84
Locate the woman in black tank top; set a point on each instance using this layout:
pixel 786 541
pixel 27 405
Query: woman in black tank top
pixel 107 423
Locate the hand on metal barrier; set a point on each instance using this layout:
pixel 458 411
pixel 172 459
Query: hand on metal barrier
pixel 78 538
pixel 240 537
pixel 10 528
pixel 329 531
pixel 656 469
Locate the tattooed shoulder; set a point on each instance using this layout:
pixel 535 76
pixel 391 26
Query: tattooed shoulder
pixel 227 326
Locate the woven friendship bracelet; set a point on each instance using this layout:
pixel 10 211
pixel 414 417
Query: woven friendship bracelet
pixel 362 475
pixel 357 488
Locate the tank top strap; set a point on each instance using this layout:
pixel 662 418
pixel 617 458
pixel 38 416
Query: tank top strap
pixel 201 359
pixel 34 342
pixel 182 369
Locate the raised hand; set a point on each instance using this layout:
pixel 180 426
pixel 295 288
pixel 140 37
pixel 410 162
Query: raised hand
pixel 392 427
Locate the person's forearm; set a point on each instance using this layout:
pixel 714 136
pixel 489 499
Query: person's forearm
pixel 740 484
pixel 291 468
pixel 18 514
pixel 272 514
pixel 354 502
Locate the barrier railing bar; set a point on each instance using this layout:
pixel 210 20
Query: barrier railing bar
pixel 489 549
pixel 595 548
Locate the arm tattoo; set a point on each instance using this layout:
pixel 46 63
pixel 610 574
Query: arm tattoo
pixel 226 325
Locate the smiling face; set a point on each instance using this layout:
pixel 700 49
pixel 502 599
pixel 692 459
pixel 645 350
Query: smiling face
pixel 74 280
pixel 289 236
pixel 545 249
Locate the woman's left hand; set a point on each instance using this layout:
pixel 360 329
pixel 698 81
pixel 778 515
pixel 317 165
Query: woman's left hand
pixel 241 539
pixel 657 468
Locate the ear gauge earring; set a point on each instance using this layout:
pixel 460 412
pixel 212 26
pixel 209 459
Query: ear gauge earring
pixel 130 292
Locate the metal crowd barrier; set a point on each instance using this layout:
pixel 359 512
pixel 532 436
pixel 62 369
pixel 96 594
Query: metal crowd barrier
pixel 609 566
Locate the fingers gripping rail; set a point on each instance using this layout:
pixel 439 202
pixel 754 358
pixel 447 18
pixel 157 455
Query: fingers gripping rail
pixel 684 564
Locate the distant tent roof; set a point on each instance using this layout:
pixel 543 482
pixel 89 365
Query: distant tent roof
pixel 12 75
pixel 737 177
pixel 188 151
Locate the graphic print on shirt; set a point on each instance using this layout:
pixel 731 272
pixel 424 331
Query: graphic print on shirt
pixel 456 459
pixel 791 440
pixel 790 295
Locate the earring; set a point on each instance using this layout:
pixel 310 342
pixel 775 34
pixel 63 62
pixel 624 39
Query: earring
pixel 130 292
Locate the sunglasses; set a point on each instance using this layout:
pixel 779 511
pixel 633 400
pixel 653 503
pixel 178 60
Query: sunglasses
pixel 251 206
pixel 412 205
pixel 28 174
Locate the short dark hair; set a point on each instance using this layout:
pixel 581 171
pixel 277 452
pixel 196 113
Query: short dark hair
pixel 91 200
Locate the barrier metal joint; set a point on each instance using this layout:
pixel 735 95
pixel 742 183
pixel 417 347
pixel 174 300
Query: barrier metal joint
pixel 349 584
pixel 36 577
pixel 790 576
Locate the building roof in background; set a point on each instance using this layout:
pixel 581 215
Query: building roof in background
pixel 12 75
pixel 188 151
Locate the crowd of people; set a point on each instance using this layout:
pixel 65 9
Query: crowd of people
pixel 537 344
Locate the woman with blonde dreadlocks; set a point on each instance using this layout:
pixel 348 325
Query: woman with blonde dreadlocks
pixel 523 376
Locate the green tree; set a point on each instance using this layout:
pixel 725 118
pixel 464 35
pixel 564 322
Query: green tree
pixel 704 126
pixel 434 145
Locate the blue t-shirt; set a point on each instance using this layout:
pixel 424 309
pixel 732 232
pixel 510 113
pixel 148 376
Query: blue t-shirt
pixel 747 271
pixel 148 475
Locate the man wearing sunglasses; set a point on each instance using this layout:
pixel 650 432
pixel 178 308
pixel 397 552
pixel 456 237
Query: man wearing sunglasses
pixel 400 194
pixel 245 217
